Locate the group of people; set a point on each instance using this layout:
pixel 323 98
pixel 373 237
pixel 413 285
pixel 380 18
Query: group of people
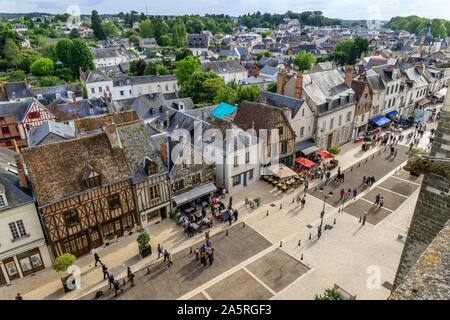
pixel 206 252
pixel 166 254
pixel 379 201
pixel 110 277
pixel 192 220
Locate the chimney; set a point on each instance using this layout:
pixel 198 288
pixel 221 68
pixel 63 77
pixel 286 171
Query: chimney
pixel 348 74
pixel 164 153
pixel 281 79
pixel 14 143
pixel 27 84
pixel 167 119
pixel 298 85
pixel 112 135
pixel 210 66
pixel 21 170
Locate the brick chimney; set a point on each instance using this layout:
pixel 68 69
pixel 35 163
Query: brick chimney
pixel 112 135
pixel 15 147
pixel 348 74
pixel 281 80
pixel 164 153
pixel 298 85
pixel 21 171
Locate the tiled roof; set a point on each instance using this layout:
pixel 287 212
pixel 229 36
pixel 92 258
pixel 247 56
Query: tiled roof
pixel 223 66
pixel 64 131
pixel 56 169
pixel 98 122
pixel 18 90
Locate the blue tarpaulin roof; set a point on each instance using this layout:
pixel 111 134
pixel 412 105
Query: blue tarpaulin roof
pixel 380 120
pixel 223 109
pixel 392 113
pixel 418 119
pixel 404 117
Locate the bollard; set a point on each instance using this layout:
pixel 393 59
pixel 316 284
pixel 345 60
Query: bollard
pixel 243 224
pixel 123 281
pixel 299 242
pixel 148 271
pixel 379 152
pixel 359 219
pixel 281 206
pixel 334 222
pixel 359 164
pixel 301 257
pixel 190 251
pixel 366 161
pixel 293 200
pixel 227 232
pixel 281 244
pixel 309 236
pixel 267 213
pixel 351 169
pixel 373 156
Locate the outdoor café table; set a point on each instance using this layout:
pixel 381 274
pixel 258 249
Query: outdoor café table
pixel 189 209
pixel 280 185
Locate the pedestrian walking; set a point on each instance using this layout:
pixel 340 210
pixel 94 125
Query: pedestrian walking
pixel 342 194
pixel 160 250
pixel 111 280
pixel 355 193
pixel 303 202
pixel 306 185
pixel 381 202
pixel 377 200
pixel 117 287
pixel 298 199
pixel 170 258
pixel 410 146
pixel 235 215
pixel 364 180
pixel 364 218
pixel 203 257
pixel 105 272
pixel 224 192
pixel 395 153
pixel 197 252
pixel 166 254
pixel 97 259
pixel 128 273
pixel 319 232
pixel 211 256
pixel 342 177
pixel 18 297
pixel 131 277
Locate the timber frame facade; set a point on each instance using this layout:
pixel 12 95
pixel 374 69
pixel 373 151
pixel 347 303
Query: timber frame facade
pixel 88 220
pixel 286 142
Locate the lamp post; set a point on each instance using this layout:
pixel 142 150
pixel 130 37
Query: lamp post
pixel 325 196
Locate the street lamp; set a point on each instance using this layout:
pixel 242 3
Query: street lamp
pixel 325 196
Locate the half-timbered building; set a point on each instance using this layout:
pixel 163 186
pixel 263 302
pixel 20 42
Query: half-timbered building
pixel 147 157
pixel 83 190
pixel 260 117
pixel 18 118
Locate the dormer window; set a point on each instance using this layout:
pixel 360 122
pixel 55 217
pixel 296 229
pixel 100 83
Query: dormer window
pixel 150 166
pixel 3 201
pixel 91 177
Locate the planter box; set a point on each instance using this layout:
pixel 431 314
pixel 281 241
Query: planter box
pixel 66 288
pixel 145 252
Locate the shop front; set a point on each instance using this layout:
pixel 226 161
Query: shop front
pixel 191 198
pixel 380 121
pixel 23 263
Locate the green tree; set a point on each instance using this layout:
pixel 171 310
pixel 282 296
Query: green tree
pixel 96 24
pixel 140 67
pixel 265 54
pixel 438 28
pixel 64 74
pixel 165 41
pixel 183 53
pixel 17 75
pixel 27 57
pixel 329 294
pixel 146 29
pixel 303 60
pixel 194 87
pixel 74 33
pixel 110 29
pixel 185 68
pixel 42 67
pixel 225 94
pixel 63 262
pixel 8 34
pixel 80 57
pixel 150 69
pixel 248 93
pixel 160 28
pixel 12 53
pixel 63 48
pixel 133 39
pixel 161 70
pixel 49 50
pixel 49 81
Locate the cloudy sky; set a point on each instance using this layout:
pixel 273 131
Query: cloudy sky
pixel 344 9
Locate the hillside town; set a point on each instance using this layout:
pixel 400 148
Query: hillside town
pixel 143 142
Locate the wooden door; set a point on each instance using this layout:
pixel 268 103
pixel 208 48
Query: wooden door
pixel 118 228
pixel 95 238
pixel 329 141
pixel 11 268
pixel 162 213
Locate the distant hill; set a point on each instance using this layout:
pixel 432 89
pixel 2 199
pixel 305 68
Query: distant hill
pixel 416 25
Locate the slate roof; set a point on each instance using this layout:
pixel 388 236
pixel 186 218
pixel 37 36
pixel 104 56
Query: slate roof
pixel 413 75
pixel 17 109
pixel 150 105
pixel 138 143
pixel 96 76
pixel 15 196
pixel 99 122
pixel 62 90
pixel 65 111
pixel 325 86
pixel 151 79
pixel 223 66
pixel 272 71
pixel 60 129
pixel 197 41
pixel 375 83
pixel 18 90
pixel 56 169
pixel 280 101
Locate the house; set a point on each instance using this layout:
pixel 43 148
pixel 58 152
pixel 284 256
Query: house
pixel 97 83
pixel 331 99
pixel 104 57
pixel 83 191
pixel 236 155
pixel 69 92
pixel 198 43
pixel 363 107
pixel 229 70
pixel 300 115
pixel 269 73
pixel 253 70
pixel 23 249
pixel 147 156
pixel 17 91
pixel 50 132
pixel 96 124
pixel 272 126
pixel 17 118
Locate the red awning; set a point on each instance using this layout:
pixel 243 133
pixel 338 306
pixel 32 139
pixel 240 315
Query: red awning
pixel 325 154
pixel 305 162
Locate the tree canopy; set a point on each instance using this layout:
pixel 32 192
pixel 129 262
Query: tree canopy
pixel 185 68
pixel 303 60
